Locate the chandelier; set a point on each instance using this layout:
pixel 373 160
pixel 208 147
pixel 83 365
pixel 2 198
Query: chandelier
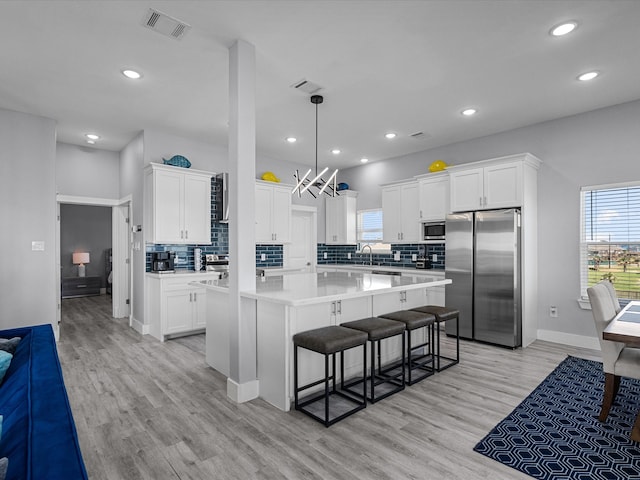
pixel 305 184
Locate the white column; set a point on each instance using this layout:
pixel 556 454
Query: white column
pixel 242 384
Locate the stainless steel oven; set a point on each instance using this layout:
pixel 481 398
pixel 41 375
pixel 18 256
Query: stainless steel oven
pixel 433 231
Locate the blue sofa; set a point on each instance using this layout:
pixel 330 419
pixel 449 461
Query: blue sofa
pixel 38 433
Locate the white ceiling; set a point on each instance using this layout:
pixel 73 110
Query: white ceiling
pixel 401 66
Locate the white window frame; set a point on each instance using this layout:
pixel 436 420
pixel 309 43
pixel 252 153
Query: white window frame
pixel 378 247
pixel 584 243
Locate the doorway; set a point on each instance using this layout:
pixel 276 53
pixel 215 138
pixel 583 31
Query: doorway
pixel 115 261
pixel 301 252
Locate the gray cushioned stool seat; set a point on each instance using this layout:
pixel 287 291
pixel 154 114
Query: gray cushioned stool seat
pixel 377 328
pixel 442 314
pixel 329 339
pixel 412 319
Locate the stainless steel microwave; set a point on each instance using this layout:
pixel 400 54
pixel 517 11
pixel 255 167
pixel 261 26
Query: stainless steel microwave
pixel 433 231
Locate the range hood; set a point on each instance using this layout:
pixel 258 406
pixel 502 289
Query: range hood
pixel 222 197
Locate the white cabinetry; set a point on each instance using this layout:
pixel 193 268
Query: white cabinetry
pixel 177 205
pixel 340 216
pixel 174 306
pixel 433 194
pixel 482 186
pixel 400 213
pixel 273 213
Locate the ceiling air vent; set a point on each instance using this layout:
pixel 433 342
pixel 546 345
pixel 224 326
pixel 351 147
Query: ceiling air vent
pixel 420 135
pixel 306 86
pixel 164 24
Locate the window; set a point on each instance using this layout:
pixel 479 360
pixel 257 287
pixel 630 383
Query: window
pixel 369 231
pixel 610 243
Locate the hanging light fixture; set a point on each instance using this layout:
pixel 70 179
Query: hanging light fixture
pixel 304 184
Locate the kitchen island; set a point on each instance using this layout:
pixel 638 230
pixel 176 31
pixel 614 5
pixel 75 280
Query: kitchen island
pixel 291 303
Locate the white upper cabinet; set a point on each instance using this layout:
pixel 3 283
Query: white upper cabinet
pixel 487 185
pixel 178 205
pixel 400 213
pixel 433 192
pixel 341 218
pixel 273 213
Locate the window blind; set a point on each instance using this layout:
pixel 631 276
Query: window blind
pixel 610 239
pixel 369 226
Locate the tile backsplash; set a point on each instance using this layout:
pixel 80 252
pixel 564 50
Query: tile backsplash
pixel 340 254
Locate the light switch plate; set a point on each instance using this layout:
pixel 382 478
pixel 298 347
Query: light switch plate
pixel 37 246
pixel 434 258
pixel 263 257
pixel 324 255
pixel 396 256
pixel 349 255
pixel 414 257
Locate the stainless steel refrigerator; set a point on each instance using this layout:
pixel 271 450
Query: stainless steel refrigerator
pixel 482 258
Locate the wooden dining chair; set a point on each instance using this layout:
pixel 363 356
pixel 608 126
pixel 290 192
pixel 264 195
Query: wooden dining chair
pixel 617 361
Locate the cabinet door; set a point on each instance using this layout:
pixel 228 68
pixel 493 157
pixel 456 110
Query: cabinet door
pixel 434 199
pixel 387 303
pixel 168 207
pixel 263 214
pixel 391 221
pixel 332 214
pixel 199 304
pixel 281 215
pixel 177 311
pixel 410 213
pixel 197 209
pixel 503 186
pixel 466 190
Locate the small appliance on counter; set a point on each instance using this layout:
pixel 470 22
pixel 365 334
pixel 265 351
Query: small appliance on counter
pixel 423 262
pixel 217 263
pixel 163 262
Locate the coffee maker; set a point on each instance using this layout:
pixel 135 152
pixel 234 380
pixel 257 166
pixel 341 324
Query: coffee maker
pixel 423 261
pixel 163 262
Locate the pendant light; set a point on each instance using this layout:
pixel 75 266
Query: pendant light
pixel 304 184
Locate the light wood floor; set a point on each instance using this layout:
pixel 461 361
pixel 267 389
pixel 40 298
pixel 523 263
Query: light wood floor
pixel 147 410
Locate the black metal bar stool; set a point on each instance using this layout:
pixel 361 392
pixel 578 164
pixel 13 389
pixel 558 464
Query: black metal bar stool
pixel 422 362
pixel 443 314
pixel 388 378
pixel 328 341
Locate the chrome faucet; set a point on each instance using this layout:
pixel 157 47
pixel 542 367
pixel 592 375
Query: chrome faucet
pixel 370 254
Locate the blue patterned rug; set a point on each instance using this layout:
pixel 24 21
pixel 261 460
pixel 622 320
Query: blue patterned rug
pixel 555 433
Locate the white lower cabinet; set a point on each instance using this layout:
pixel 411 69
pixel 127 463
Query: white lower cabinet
pixel 174 307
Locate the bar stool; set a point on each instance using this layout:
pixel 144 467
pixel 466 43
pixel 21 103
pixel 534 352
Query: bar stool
pixel 328 341
pixel 378 329
pixel 422 363
pixel 443 314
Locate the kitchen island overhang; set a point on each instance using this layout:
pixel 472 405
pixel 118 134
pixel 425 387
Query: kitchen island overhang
pixel 292 303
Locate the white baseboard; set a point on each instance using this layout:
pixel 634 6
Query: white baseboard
pixel 242 392
pixel 138 326
pixel 580 341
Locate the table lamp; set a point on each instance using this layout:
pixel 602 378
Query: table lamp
pixel 80 259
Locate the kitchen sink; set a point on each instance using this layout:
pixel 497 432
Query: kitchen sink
pixel 385 272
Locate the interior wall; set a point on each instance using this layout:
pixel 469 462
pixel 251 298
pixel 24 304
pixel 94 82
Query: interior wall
pixel 85 228
pixel 87 172
pixel 593 148
pixel 27 214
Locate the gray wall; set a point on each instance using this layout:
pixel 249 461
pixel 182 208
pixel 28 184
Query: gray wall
pixel 87 172
pixel 594 148
pixel 85 229
pixel 27 214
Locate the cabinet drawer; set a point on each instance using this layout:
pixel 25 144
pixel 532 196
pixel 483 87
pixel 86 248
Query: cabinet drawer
pixel 80 286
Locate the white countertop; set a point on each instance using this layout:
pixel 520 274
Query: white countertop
pixel 297 289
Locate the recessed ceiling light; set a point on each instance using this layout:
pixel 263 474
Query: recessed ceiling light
pixel 336 151
pixel 585 77
pixel 390 135
pixel 92 136
pixel 292 139
pixel 364 160
pixel 91 142
pixel 467 112
pixel 563 28
pixel 132 74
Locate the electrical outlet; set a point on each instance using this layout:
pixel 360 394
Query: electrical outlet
pixel 263 257
pixel 553 311
pixel 324 255
pixel 434 258
pixel 349 255
pixel 396 256
pixel 414 257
